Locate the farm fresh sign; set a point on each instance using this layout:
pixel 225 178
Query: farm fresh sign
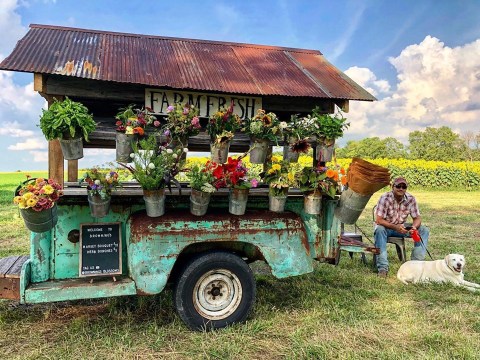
pixel 208 104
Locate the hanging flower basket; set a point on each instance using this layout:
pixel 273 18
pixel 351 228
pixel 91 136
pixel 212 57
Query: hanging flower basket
pixel 324 151
pixel 289 155
pixel 99 207
pixel 154 202
pixel 124 147
pixel 72 148
pixel 219 152
pixel 39 221
pixel 259 150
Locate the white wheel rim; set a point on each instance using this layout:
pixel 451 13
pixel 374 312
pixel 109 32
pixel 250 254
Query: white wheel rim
pixel 217 294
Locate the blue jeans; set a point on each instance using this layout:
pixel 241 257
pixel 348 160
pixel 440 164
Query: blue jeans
pixel 381 235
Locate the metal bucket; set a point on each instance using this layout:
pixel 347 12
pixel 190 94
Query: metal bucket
pixel 154 202
pixel 219 152
pixel 237 201
pixel 289 155
pixel 39 221
pixel 123 147
pixel 199 201
pixel 350 206
pixel 324 153
pixel 259 151
pixel 276 203
pixel 312 203
pixel 98 207
pixel 72 149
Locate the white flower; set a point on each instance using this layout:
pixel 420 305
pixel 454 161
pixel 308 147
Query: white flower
pixel 175 156
pixel 97 182
pixel 283 125
pixel 151 166
pixel 185 150
pixel 132 155
pixel 107 177
pixel 169 151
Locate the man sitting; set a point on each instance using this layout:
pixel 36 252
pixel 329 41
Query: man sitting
pixel 391 212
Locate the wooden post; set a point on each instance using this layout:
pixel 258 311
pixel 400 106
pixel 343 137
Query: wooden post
pixel 55 156
pixel 72 171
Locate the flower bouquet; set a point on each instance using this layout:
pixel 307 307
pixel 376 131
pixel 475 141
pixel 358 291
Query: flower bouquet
pixel 221 127
pixel 201 181
pixel 297 134
pixel 100 184
pixel 279 178
pixel 155 168
pixel 234 175
pixel 262 128
pixel 182 121
pixel 315 182
pixel 36 199
pixel 131 124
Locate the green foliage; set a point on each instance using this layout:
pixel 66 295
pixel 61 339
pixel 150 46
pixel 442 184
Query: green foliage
pixel 66 118
pixel 436 144
pixel 373 148
pixel 201 177
pixel 331 127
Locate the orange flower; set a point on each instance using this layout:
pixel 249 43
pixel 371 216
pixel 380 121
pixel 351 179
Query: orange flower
pixel 344 180
pixel 336 177
pixel 342 171
pixel 330 173
pixel 138 130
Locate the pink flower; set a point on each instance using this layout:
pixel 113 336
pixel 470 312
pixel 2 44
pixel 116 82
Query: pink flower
pixel 156 123
pixel 254 183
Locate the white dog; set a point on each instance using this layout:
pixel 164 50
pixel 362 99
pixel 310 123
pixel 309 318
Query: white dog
pixel 449 270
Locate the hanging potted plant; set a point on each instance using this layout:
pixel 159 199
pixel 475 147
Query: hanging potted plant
pixel 297 135
pixel 233 175
pixel 100 184
pixel 36 198
pixel 131 124
pixel 182 121
pixel 70 123
pixel 315 182
pixel 221 127
pixel 279 178
pixel 262 129
pixel 330 128
pixel 155 168
pixel 201 181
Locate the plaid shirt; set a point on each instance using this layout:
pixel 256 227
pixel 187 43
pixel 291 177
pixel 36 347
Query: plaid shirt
pixel 397 212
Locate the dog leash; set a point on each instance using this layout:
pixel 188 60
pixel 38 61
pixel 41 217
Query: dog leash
pixel 415 235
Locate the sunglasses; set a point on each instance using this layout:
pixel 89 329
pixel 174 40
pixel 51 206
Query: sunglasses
pixel 401 186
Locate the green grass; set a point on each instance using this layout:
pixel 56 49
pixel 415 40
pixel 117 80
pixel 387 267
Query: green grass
pixel 335 312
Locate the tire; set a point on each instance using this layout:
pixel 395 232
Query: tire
pixel 214 290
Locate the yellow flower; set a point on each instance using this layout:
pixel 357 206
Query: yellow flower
pixel 276 167
pixel 31 202
pixel 275 159
pixel 48 189
pixel 17 199
pixel 22 204
pixel 270 172
pixel 291 176
pixel 129 130
pixel 27 196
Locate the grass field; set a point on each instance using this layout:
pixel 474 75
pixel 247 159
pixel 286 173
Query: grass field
pixel 341 312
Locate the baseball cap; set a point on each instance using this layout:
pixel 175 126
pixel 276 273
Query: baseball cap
pixel 400 180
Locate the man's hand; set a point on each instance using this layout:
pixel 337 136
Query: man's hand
pixel 400 229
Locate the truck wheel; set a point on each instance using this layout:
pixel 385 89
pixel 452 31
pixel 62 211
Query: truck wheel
pixel 214 290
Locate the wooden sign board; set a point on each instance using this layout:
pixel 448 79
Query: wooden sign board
pixel 100 249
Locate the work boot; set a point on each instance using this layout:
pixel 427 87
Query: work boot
pixel 382 273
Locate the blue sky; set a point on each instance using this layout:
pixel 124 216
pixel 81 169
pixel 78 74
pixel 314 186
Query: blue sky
pixel 421 59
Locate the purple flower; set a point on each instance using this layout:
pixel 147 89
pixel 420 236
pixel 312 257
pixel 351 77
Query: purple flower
pixel 166 132
pixel 170 108
pixel 254 183
pixel 186 110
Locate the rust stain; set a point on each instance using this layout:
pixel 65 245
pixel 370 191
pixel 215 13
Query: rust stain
pixel 68 68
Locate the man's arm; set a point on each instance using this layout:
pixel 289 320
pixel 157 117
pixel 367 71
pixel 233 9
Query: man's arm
pixel 396 227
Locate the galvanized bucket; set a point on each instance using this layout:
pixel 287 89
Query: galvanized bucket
pixel 324 153
pixel 72 149
pixel 312 203
pixel 289 155
pixel 219 152
pixel 123 146
pixel 199 201
pixel 259 151
pixel 237 201
pixel 98 207
pixel 350 206
pixel 277 203
pixel 154 202
pixel 39 221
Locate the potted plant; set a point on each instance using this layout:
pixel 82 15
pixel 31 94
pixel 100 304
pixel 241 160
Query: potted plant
pixel 36 198
pixel 155 168
pixel 297 135
pixel 315 182
pixel 221 127
pixel 234 175
pixel 279 178
pixel 182 121
pixel 131 123
pixel 100 184
pixel 70 123
pixel 330 128
pixel 262 128
pixel 201 182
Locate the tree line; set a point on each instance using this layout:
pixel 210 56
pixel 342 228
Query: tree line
pixel 440 144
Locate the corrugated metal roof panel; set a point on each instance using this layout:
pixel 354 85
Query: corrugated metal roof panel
pixel 181 63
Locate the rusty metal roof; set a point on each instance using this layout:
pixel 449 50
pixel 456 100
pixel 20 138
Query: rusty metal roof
pixel 181 63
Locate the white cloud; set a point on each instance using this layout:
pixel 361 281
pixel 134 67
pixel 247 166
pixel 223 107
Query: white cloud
pixel 29 144
pixel 10 26
pixel 14 130
pixel 39 157
pixel 437 86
